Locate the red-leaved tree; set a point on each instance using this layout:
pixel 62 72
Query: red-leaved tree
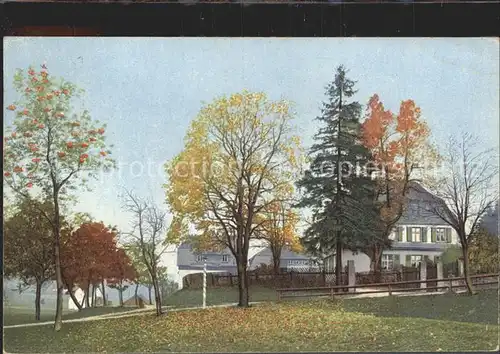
pixel 88 259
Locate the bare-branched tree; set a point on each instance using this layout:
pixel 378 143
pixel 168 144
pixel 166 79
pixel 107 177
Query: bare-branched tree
pixel 467 189
pixel 148 234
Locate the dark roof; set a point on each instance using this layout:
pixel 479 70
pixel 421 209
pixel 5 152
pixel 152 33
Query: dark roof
pixel 420 204
pixel 490 221
pixel 285 254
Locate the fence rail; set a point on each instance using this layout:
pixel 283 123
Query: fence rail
pixel 299 279
pixel 447 283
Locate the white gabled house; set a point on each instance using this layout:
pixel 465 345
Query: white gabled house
pixel 418 235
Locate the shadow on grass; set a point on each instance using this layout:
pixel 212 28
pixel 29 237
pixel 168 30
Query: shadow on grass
pixel 479 308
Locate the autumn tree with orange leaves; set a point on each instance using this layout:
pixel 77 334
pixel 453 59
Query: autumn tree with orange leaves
pixel 51 150
pixel 400 147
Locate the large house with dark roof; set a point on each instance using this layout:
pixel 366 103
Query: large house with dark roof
pixel 189 261
pixel 418 235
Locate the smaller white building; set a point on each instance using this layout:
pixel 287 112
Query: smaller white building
pixel 79 295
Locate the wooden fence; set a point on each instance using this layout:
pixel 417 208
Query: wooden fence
pixel 305 279
pixel 392 287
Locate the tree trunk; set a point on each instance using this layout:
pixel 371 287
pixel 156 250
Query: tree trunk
pixel 120 293
pixel 247 285
pixel 83 299
pixel 94 295
pixel 276 253
pixel 149 291
pixel 57 261
pixel 38 296
pixel 157 295
pixel 468 280
pixel 103 293
pixel 377 263
pixel 87 295
pixel 136 291
pixel 338 261
pixel 75 300
pixel 242 285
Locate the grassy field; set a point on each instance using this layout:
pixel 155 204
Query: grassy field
pixel 19 315
pixel 422 323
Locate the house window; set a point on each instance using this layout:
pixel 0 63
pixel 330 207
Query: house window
pixel 297 262
pixel 225 258
pixel 199 258
pixel 387 261
pixel 441 235
pixel 415 260
pixel 416 234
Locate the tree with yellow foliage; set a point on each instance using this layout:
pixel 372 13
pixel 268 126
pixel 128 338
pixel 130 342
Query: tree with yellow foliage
pixel 279 228
pixel 238 151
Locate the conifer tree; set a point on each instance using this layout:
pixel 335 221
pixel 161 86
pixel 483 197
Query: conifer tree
pixel 335 186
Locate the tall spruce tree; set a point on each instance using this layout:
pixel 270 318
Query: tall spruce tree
pixel 336 187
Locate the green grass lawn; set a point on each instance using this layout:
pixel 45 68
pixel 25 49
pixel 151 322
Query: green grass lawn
pixel 217 296
pixel 17 315
pixel 458 323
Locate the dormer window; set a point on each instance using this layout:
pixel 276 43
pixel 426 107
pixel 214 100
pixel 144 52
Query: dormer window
pixel 225 258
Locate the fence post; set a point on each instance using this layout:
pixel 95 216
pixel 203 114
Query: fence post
pixel 460 268
pixel 450 286
pixel 423 273
pixel 439 275
pixel 390 290
pixel 351 275
pixel 204 283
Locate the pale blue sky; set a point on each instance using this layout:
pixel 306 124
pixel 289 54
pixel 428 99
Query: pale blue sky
pixel 148 90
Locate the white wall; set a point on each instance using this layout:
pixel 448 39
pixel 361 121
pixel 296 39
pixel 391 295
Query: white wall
pixel 361 260
pixel 169 260
pixel 79 294
pixel 182 273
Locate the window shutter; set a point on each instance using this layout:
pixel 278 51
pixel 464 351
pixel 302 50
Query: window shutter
pixel 396 260
pixel 399 234
pixel 408 260
pixel 433 234
pixel 423 237
pixel 408 234
pixel 448 235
